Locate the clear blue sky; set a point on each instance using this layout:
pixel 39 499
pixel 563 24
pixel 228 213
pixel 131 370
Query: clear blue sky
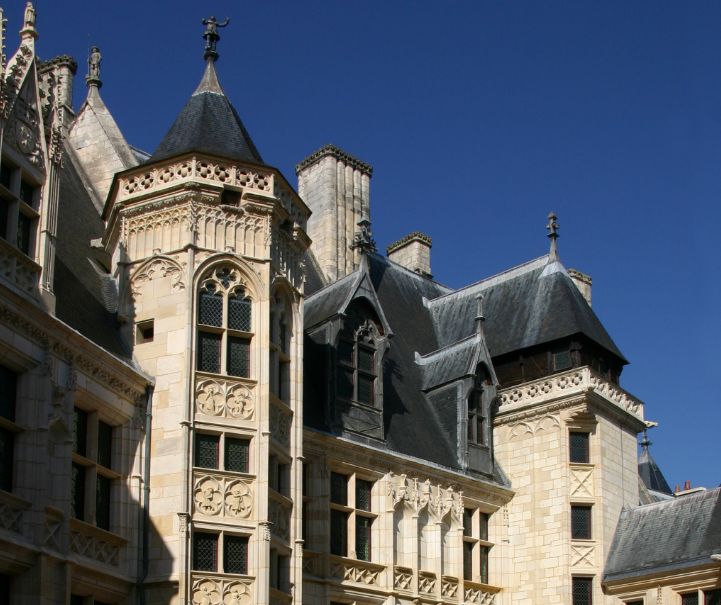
pixel 478 118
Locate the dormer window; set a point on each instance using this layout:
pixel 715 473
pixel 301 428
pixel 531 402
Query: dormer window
pixel 357 363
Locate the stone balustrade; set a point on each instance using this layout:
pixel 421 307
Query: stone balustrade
pixel 94 543
pixel 18 269
pixel 356 572
pixel 576 382
pixel 12 509
pixel 479 594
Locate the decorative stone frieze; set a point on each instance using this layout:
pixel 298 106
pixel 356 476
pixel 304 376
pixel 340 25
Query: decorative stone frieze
pixel 211 590
pixel 222 496
pixel 411 492
pixel 449 587
pixel 18 269
pixel 157 267
pixel 225 398
pixel 572 384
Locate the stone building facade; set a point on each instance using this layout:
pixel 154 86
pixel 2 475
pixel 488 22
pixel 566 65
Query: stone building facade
pixel 214 389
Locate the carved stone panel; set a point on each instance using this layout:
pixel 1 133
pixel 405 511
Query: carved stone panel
pixel 225 399
pixel 222 496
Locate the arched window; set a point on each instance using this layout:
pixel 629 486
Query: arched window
pixel 224 325
pixel 357 369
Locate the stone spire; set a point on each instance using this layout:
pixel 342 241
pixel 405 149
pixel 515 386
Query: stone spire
pixel 649 471
pixel 211 37
pixel 552 227
pixel 94 60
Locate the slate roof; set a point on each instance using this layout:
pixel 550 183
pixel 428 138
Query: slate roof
pixel 80 282
pixel 672 534
pixel 531 304
pixel 650 473
pixel 208 123
pixel 449 363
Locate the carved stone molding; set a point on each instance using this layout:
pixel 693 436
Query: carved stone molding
pixel 279 517
pixel 224 398
pixel 357 571
pixel 157 267
pixel 280 422
pixel 582 555
pixel 582 482
pixel 222 496
pixel 439 501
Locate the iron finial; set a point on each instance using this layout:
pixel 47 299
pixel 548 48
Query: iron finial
pixel 553 227
pixel 363 239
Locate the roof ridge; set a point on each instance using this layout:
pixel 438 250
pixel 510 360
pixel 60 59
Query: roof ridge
pixel 493 280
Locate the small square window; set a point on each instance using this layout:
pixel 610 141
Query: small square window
pixel 145 331
pixel 235 554
pixel 578 447
pixel 582 591
pixel 206 450
pixel 205 552
pixel 581 522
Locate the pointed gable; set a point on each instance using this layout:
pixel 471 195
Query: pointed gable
pixel 208 123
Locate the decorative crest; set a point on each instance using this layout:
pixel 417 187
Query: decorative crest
pixel 211 37
pixel 94 60
pixel 553 227
pixel 363 239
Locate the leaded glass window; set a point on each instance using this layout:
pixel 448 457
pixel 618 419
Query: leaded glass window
pixel 581 522
pixel 690 598
pixel 484 550
pixel 363 494
pixel 210 307
pixel 80 431
pixel 356 360
pixel 206 450
pixel 363 538
pixel 339 489
pixel 205 552
pixel 339 533
pixel 468 560
pixel 235 554
pixel 483 522
pixel 209 352
pixel 238 356
pixel 578 447
pixel 239 312
pixel 712 597
pixel 102 502
pixel 582 591
pixel 8 393
pixel 236 455
pixel 467 522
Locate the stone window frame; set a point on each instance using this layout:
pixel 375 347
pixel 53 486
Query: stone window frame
pixel 220 537
pixel 227 281
pixel 353 514
pixel 222 451
pixel 575 529
pixel 573 431
pixel 20 197
pixel 94 470
pixel 476 537
pixel 587 580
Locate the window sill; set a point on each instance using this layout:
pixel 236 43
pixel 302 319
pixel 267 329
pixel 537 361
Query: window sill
pixel 241 379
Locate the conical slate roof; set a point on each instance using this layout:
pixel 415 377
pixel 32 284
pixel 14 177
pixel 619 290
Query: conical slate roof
pixel 208 123
pixel 649 472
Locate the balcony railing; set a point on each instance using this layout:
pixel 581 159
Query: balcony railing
pixel 574 382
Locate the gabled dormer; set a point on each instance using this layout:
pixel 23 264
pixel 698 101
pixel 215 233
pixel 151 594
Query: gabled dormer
pixel 347 327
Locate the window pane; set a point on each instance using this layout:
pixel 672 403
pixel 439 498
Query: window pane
pixel 467 521
pixel 24 229
pixel 235 554
pixel 102 503
pixel 238 356
pixel 581 522
pixel 366 360
pixel 363 538
pixel 6 175
pixel 363 494
pixel 205 552
pixel 4 211
pixel 582 591
pixel 26 192
pixel 105 444
pixel 239 313
pixel 8 393
pixel 345 352
pixel 209 352
pixel 80 431
pixel 365 389
pixel 339 489
pixel 484 564
pixel 690 598
pixel 236 455
pixel 7 443
pixel 206 450
pixel 712 597
pixel 468 561
pixel 578 447
pixel 338 533
pixel 562 360
pixel 77 503
pixel 483 534
pixel 210 309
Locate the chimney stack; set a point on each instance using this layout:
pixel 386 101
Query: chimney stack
pixel 413 252
pixel 583 283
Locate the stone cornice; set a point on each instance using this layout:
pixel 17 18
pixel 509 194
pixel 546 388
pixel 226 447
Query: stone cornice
pixel 75 349
pixel 416 235
pixel 338 154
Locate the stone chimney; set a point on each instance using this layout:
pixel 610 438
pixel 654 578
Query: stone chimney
pixel 336 187
pixel 413 252
pixel 583 283
pixel 63 68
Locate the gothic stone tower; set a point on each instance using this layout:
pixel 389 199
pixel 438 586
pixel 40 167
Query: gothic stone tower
pixel 206 242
